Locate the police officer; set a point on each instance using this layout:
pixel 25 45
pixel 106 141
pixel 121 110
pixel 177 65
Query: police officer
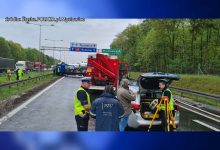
pixel 82 105
pixel 163 84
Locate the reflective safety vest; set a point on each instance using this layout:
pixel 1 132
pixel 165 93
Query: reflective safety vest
pixel 19 72
pixel 78 107
pixel 162 106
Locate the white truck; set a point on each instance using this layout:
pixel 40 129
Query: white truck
pixel 24 65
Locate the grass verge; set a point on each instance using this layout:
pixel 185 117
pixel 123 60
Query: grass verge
pixel 3 78
pixel 6 92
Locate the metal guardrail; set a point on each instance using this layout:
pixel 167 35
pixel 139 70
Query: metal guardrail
pixel 197 93
pixel 23 81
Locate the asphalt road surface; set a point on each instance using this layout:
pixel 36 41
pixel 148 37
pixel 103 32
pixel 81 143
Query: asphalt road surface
pixel 190 121
pixel 53 110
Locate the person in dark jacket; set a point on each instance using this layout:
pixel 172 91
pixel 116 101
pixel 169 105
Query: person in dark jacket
pixel 107 110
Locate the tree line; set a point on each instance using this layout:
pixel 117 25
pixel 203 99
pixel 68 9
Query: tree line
pixel 10 49
pixel 189 46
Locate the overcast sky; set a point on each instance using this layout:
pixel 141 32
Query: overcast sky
pixel 100 31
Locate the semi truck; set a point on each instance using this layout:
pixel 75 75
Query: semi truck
pixel 104 70
pixel 6 63
pixel 24 65
pixel 38 65
pixel 59 69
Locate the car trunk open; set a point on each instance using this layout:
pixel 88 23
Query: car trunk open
pixel 146 97
pixel 149 91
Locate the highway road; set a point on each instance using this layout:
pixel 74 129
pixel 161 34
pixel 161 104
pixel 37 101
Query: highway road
pixel 197 119
pixel 52 110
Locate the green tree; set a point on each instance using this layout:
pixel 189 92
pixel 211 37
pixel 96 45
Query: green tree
pixel 5 50
pixel 171 45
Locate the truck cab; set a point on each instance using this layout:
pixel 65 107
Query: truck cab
pixel 20 65
pixel 104 70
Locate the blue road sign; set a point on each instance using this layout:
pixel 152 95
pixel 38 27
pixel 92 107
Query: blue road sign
pixel 81 49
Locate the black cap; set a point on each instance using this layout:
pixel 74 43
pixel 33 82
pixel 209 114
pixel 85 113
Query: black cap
pixel 164 81
pixel 86 79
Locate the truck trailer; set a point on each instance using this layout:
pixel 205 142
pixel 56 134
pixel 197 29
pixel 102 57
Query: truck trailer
pixel 6 63
pixel 38 66
pixel 24 65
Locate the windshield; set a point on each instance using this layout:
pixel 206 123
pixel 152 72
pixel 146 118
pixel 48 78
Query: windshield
pixel 19 65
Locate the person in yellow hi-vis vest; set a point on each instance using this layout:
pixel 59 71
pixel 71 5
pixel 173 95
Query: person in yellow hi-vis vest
pixel 163 84
pixel 20 73
pixel 82 105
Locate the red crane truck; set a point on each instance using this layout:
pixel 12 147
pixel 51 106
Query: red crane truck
pixel 105 70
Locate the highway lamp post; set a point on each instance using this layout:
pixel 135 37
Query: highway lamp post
pixel 40 25
pixel 64 57
pixel 60 56
pixel 53 46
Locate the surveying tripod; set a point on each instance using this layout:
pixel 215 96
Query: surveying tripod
pixel 168 114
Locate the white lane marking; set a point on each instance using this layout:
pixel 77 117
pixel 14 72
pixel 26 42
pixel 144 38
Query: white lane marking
pixel 201 114
pixel 13 112
pixel 206 125
pixel 201 110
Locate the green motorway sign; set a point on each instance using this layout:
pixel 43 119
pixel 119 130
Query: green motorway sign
pixel 112 51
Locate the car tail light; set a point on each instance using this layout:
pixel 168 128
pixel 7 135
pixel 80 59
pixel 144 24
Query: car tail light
pixel 135 106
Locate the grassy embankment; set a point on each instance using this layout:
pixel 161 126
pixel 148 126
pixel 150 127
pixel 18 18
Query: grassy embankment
pixel 204 83
pixel 3 78
pixel 6 92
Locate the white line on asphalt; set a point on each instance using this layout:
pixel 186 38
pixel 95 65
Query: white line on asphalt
pixel 200 114
pixel 201 110
pixel 13 112
pixel 206 125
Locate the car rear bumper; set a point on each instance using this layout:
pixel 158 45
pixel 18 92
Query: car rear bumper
pixel 136 121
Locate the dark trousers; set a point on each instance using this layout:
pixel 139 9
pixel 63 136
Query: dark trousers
pixel 163 119
pixel 82 123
